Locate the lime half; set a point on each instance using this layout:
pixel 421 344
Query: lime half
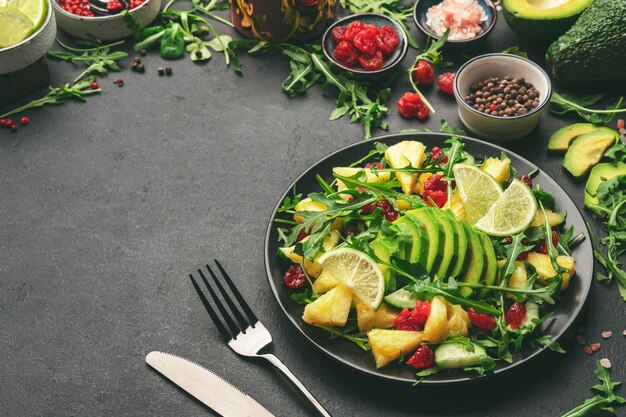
pixel 478 190
pixel 358 271
pixel 35 10
pixel 14 27
pixel 512 213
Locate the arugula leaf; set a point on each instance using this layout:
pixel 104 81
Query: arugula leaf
pixel 546 340
pixel 515 50
pixel 100 59
pixel 604 401
pixel 132 23
pixel 446 128
pixel 564 103
pixel 304 298
pixel 355 338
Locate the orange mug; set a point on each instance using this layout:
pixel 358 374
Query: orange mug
pixel 281 20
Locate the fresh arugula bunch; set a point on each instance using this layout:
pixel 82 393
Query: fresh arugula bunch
pixel 58 95
pixel 604 401
pixel 390 8
pixel 563 103
pixel 100 59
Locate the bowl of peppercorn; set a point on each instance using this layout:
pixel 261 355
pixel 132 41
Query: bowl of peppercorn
pixel 103 19
pixel 501 96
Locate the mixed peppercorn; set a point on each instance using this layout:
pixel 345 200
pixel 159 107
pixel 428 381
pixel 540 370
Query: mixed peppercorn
pixel 364 44
pixel 505 97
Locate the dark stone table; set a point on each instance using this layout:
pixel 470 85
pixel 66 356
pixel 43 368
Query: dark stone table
pixel 107 206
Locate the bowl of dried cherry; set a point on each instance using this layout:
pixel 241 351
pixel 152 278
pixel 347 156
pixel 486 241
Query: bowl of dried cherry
pixel 368 45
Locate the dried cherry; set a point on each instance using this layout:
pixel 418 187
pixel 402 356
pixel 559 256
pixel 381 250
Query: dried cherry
pixel 294 277
pixel 515 315
pixel 388 40
pixel 371 62
pixel 422 358
pixel 411 106
pixel 445 82
pixel 346 54
pixel 480 320
pixel 423 73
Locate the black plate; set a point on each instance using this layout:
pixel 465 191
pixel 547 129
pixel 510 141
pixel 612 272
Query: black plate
pixel 565 311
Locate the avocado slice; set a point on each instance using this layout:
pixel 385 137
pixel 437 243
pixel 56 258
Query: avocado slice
pixel 587 150
pixel 560 140
pixel 599 173
pixel 593 48
pixel 435 236
pixel 476 265
pixel 542 19
pixel 450 245
pixel 455 355
pixel 384 248
pixel 491 262
pixel 460 263
pixel 417 251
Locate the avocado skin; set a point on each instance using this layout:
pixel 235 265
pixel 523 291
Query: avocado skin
pixel 592 49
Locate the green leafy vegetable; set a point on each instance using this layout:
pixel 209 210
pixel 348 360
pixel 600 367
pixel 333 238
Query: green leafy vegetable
pixel 100 59
pixel 173 42
pixel 355 338
pixel 515 50
pixel 564 103
pixel 132 24
pixel 604 401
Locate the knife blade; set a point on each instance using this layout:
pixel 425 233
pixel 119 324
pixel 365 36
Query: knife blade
pixel 209 388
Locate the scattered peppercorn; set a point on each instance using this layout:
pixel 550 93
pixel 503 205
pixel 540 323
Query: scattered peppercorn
pixel 136 60
pixel 143 52
pixel 119 82
pixel 94 85
pixel 595 347
pixel 607 334
pixel 3 122
pixel 605 363
pixel 24 120
pixel 198 53
pixel 580 340
pixel 587 350
pixel 505 97
pixel 161 71
pixel 624 333
pixel 168 70
pixel 13 128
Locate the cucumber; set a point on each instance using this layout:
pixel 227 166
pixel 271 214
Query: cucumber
pixel 454 355
pixel 402 298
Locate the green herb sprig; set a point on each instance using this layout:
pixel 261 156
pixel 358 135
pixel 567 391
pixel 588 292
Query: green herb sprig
pixel 563 103
pixel 100 59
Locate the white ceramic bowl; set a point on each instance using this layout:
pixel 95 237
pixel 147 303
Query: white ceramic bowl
pixel 106 28
pixel 497 128
pixel 26 52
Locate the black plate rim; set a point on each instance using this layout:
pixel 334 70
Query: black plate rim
pixel 458 380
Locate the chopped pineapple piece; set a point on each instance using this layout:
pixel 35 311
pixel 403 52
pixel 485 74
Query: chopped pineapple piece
pixel 545 270
pixel 388 345
pixel 331 241
pixel 554 219
pixel 518 278
pixel 307 204
pixel 498 168
pixel 324 283
pixel 403 204
pixel 367 318
pixel 311 267
pixel 331 309
pixel 455 205
pixel 458 320
pixel 404 154
pixel 436 327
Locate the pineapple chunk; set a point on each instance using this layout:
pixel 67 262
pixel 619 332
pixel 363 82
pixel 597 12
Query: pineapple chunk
pixel 518 278
pixel 331 309
pixel 436 327
pixel 403 154
pixel 324 283
pixel 367 319
pixel 497 168
pixel 554 219
pixel 403 204
pixel 458 320
pixel 388 345
pixel 455 205
pixel 545 270
pixel 307 205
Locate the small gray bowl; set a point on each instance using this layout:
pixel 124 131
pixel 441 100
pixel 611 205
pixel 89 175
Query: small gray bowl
pixel 15 57
pixel 106 28
pixel 498 128
pixel 390 63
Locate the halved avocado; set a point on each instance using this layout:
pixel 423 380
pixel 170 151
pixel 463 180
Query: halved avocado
pixel 435 235
pixel 491 262
pixel 417 251
pixel 450 248
pixel 457 267
pixel 599 173
pixel 587 150
pixel 542 19
pixel 476 265
pixel 560 140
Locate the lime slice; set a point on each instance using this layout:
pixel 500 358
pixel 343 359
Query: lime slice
pixel 358 271
pixel 478 190
pixel 512 213
pixel 14 27
pixel 35 10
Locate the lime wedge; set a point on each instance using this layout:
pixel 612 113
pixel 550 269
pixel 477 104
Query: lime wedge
pixel 35 10
pixel 478 190
pixel 14 27
pixel 512 213
pixel 357 271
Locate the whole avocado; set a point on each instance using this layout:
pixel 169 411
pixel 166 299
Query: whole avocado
pixel 594 48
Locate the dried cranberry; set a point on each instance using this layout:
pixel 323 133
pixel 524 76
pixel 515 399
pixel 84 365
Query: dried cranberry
pixel 294 277
pixel 371 62
pixel 423 73
pixel 435 183
pixel 525 178
pixel 351 230
pixel 516 315
pixel 367 41
pixel 439 197
pixel 411 106
pixel 445 82
pixel 422 358
pixel 368 209
pixel 303 233
pixel 391 215
pixel 436 153
pixel 337 33
pixel 384 206
pixel 508 240
pixel 388 40
pixel 413 319
pixel 480 320
pixel 346 54
pixel 542 247
pixel 522 256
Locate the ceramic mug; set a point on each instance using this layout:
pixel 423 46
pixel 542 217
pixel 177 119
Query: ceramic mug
pixel 281 20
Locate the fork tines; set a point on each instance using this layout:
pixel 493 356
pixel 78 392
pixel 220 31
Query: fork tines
pixel 232 327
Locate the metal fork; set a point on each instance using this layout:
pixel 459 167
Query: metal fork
pixel 245 337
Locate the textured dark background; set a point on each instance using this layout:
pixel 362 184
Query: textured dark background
pixel 106 206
